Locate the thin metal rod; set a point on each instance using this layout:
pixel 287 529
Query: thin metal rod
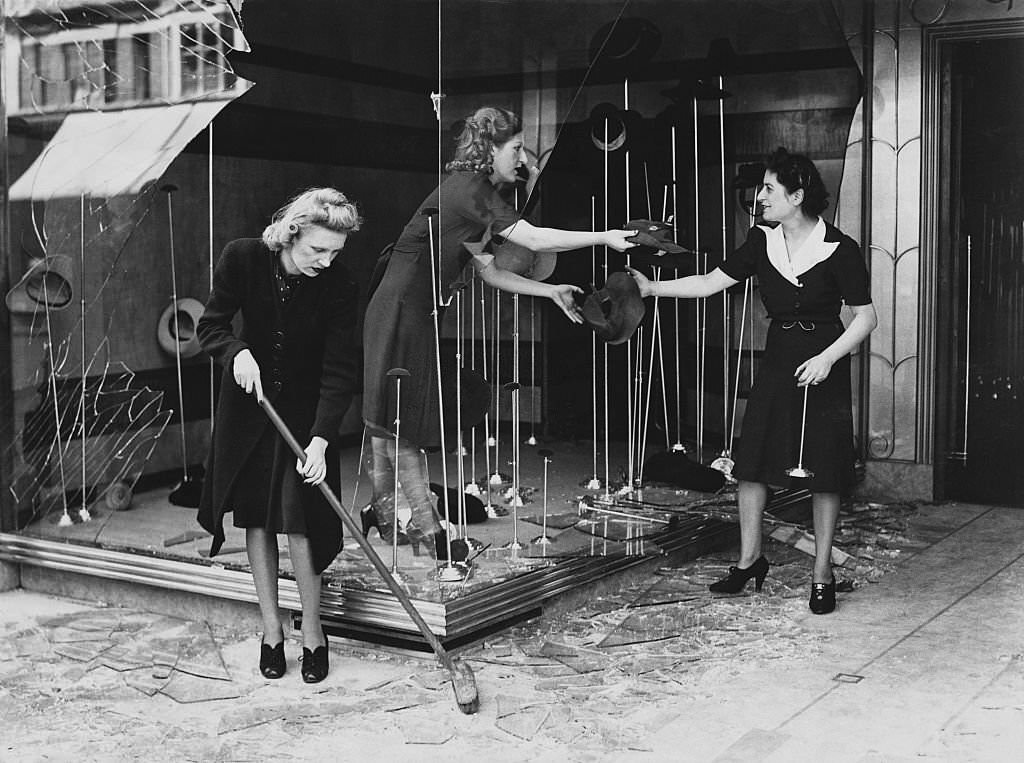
pixel 394 500
pixel 84 511
pixel 699 302
pixel 440 394
pixel 967 352
pixel 607 468
pixel 725 243
pixel 209 221
pixel 497 384
pixel 803 429
pixel 177 338
pixel 460 449
pixel 593 337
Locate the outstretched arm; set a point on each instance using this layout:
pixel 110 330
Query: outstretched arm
pixel 687 287
pixel 538 239
pixel 560 294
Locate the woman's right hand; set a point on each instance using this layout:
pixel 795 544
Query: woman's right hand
pixel 617 239
pixel 247 374
pixel 562 295
pixel 644 283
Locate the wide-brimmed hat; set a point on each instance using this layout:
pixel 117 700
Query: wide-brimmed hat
pixel 615 310
pixel 512 257
pixel 653 236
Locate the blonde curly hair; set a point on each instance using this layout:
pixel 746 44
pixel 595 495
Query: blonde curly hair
pixel 487 128
pixel 326 207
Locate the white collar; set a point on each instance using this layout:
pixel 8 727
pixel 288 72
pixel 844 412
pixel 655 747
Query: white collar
pixel 813 250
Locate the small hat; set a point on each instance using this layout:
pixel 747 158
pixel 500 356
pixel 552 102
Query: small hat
pixel 615 310
pixel 653 236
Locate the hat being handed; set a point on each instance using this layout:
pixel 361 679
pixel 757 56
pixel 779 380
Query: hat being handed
pixel 614 311
pixel 653 236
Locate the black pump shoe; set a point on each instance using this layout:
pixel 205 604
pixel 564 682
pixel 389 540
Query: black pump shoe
pixel 369 520
pixel 738 577
pixel 315 663
pixel 272 663
pixel 823 597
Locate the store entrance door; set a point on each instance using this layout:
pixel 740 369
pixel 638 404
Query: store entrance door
pixel 981 297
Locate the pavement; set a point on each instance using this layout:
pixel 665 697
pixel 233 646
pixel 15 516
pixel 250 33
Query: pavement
pixel 923 660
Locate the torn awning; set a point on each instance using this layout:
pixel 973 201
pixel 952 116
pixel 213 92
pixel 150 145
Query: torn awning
pixel 112 153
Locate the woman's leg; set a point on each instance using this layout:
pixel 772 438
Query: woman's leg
pixel 261 546
pixel 308 582
pixel 752 497
pixel 415 484
pixel 826 513
pixel 382 476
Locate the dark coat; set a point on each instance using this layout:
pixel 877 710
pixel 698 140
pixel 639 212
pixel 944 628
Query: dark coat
pixel 309 362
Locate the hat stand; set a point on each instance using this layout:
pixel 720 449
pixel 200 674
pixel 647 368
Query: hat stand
pixel 83 511
pixel 471 486
pixel 543 539
pixel 449 572
pixel 187 492
pixel 799 470
pixel 594 483
pixel 495 439
pixel 397 374
pixel 514 544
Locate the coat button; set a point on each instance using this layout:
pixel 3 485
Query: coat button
pixel 276 384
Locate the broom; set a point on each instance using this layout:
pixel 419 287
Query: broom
pixel 463 681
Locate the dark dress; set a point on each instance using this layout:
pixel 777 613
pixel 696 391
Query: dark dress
pixel 804 321
pixel 399 329
pixel 301 332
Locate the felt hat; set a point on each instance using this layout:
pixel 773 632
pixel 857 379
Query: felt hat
pixel 515 258
pixel 653 236
pixel 46 284
pixel 623 46
pixel 614 311
pixel 612 128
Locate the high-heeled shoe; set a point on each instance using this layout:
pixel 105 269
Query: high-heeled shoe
pixel 738 577
pixel 437 544
pixel 272 662
pixel 823 597
pixel 369 520
pixel 316 663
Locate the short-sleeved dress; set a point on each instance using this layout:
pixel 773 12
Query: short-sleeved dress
pixel 803 296
pixel 399 329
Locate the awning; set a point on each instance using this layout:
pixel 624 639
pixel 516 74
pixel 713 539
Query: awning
pixel 112 153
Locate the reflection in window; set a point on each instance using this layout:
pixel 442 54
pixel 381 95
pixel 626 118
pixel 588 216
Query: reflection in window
pixel 67 65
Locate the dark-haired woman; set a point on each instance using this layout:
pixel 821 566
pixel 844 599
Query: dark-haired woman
pixel 296 346
pixel 806 270
pixel 399 326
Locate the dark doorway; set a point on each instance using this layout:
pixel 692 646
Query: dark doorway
pixel 981 327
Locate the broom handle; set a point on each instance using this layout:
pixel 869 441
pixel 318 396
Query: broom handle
pixel 354 531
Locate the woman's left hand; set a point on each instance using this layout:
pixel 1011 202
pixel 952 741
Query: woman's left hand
pixel 562 295
pixel 813 371
pixel 314 468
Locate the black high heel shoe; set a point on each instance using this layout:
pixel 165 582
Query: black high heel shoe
pixel 823 597
pixel 369 520
pixel 272 662
pixel 316 663
pixel 738 577
pixel 437 545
